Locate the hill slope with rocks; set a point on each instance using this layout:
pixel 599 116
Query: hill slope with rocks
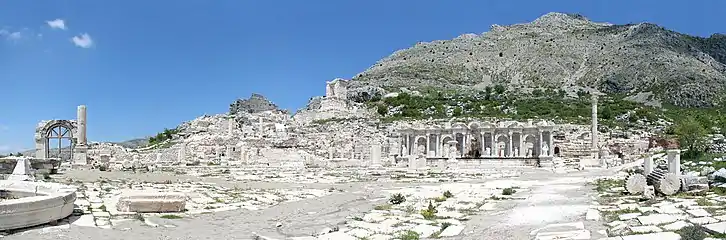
pixel 562 51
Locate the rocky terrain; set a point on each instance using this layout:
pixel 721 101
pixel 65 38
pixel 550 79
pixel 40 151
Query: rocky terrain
pixel 562 51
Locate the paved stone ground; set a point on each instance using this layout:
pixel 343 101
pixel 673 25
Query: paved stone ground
pixel 551 199
pixel 554 199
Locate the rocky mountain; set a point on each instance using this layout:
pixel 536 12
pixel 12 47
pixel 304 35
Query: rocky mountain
pixel 562 51
pixel 256 103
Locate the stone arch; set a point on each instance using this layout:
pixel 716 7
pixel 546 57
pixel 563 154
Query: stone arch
pixel 421 144
pixel 530 146
pixel 556 151
pixel 459 138
pixel 474 125
pixel 444 144
pixel 59 130
pixel 502 143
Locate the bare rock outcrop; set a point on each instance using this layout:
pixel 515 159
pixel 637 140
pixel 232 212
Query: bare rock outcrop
pixel 561 51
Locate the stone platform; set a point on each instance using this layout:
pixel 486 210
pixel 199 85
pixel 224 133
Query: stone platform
pixel 34 203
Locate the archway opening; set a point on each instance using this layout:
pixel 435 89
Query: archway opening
pixel 60 143
pixel 557 151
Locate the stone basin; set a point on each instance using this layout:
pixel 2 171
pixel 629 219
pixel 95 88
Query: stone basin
pixel 34 203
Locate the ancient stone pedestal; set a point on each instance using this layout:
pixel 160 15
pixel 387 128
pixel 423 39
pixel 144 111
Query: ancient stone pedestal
pixel 22 171
pixel 80 155
pixel 674 161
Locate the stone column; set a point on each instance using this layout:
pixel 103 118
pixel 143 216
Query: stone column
pixel 647 164
pixel 428 145
pixel 539 148
pixel 438 147
pixel 352 149
pixel 521 145
pixel 375 155
pixel 674 161
pixel 483 143
pixel 81 120
pixel 509 146
pixel 495 151
pixel 551 145
pixel 80 148
pixel 593 130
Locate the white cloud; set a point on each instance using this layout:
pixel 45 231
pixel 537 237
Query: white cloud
pixel 15 36
pixel 83 40
pixel 10 35
pixel 57 24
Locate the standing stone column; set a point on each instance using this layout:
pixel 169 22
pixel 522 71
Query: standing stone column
pixel 81 119
pixel 551 145
pixel 674 161
pixel 593 130
pixel 521 151
pixel 648 164
pixel 483 144
pixel 493 146
pixel 509 146
pixel 428 145
pixel 541 140
pixel 438 147
pixel 375 155
pixel 80 150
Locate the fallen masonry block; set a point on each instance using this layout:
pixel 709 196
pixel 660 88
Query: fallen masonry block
pixel 152 202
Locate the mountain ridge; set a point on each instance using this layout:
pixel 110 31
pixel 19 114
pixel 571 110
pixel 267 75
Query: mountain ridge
pixel 561 51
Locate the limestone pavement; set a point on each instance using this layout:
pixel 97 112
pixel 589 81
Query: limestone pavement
pixel 348 210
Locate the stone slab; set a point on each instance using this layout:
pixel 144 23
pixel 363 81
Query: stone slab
pixel 652 236
pixel 151 202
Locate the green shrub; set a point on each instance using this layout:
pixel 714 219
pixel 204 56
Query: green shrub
pixel 692 233
pixel 448 194
pixel 508 191
pixel 408 235
pixel 430 212
pixel 163 136
pixel 397 198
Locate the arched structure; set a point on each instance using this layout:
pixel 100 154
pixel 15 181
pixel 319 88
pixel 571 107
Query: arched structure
pixel 505 139
pixel 71 130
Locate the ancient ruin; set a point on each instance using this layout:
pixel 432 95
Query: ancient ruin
pixel 351 165
pixel 73 130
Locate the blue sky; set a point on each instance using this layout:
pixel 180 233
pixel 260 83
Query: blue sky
pixel 141 66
